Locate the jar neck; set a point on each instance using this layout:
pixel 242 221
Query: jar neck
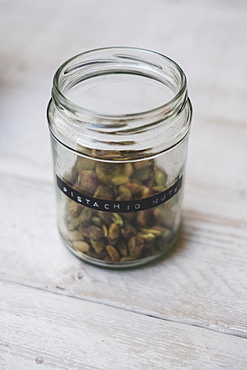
pixel 148 131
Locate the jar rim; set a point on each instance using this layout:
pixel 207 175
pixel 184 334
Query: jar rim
pixel 143 133
pixel 165 109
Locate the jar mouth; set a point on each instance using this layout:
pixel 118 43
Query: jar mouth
pixel 119 60
pixel 144 132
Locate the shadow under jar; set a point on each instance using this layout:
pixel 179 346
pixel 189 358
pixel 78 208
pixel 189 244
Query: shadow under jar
pixel 119 120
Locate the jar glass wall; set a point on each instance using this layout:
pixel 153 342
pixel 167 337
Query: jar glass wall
pixel 119 121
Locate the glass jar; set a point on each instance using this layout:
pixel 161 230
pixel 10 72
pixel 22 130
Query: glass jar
pixel 119 120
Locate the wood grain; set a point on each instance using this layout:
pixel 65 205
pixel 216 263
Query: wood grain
pixel 216 173
pixel 64 333
pixel 186 311
pixel 203 282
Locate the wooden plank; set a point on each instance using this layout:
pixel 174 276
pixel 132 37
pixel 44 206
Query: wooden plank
pixel 214 60
pixel 203 282
pixel 25 143
pixel 40 328
pixel 216 169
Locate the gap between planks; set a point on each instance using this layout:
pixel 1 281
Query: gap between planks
pixel 144 312
pixel 63 333
pixel 210 325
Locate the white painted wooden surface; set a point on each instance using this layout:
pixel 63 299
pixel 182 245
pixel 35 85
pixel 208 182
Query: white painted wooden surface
pixel 66 333
pixel 187 311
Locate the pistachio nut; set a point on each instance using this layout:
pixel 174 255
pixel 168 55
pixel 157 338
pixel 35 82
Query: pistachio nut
pixel 113 233
pixel 88 181
pixel 92 232
pixel 83 163
pixel 135 244
pixel 81 246
pixel 113 253
pixel 74 223
pixel 143 218
pixel 75 236
pixel 73 208
pixel 98 245
pixel 160 178
pixel 122 248
pixel 118 237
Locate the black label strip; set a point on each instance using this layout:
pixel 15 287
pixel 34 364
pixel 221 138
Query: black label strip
pixel 119 206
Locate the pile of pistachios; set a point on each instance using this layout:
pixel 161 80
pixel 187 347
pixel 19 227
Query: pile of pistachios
pixel 117 237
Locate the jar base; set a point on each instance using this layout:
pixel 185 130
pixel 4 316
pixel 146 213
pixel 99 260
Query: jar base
pixel 126 264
